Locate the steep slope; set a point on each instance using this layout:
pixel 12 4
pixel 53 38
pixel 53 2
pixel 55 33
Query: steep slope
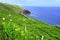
pixel 12 8
pixel 14 26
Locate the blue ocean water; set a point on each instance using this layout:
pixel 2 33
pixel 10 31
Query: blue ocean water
pixel 49 15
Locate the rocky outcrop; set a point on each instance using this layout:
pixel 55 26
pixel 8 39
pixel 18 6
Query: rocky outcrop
pixel 25 12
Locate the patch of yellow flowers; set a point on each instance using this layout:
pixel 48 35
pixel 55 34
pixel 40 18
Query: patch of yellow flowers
pixel 17 29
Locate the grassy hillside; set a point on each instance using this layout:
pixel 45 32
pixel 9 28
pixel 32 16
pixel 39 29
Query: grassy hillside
pixel 14 26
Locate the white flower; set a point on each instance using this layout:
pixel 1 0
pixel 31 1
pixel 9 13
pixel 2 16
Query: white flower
pixel 3 18
pixel 42 37
pixel 10 19
pixel 9 15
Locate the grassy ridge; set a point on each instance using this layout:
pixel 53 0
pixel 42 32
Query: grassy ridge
pixel 14 26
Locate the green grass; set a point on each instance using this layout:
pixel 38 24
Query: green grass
pixel 23 28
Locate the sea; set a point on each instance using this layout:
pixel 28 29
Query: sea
pixel 49 15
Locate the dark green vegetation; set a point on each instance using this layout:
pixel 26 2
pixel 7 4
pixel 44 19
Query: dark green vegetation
pixel 14 26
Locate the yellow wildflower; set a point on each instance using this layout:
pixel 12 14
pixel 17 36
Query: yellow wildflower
pixel 16 29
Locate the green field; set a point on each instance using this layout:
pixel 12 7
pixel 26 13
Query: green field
pixel 15 26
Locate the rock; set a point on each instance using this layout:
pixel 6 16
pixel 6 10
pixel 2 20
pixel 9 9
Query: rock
pixel 25 12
